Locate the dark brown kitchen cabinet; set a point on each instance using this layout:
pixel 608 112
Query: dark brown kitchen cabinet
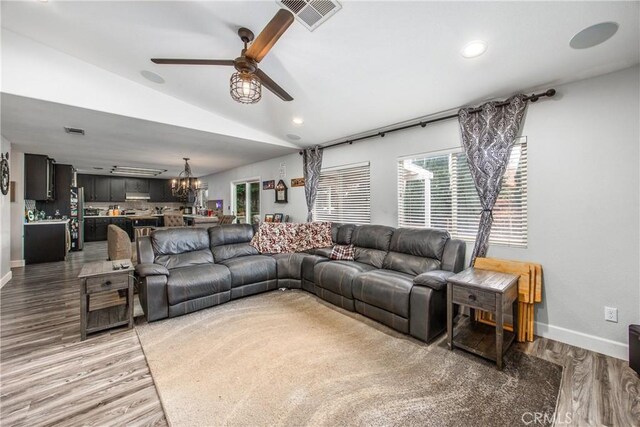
pixel 39 177
pixel 89 229
pixel 87 182
pixel 118 190
pixel 102 188
pixel 137 185
pixel 160 191
pixel 156 190
pixel 100 233
pixel 62 203
pixel 96 229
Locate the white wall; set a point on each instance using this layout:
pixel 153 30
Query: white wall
pixel 5 235
pixel 220 186
pixel 583 148
pixel 17 209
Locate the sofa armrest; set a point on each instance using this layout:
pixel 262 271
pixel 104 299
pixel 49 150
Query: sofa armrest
pixel 144 270
pixel 144 249
pixel 153 297
pixel 435 279
pixel 454 255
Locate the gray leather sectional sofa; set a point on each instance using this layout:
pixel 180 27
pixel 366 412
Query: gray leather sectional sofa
pixel 398 276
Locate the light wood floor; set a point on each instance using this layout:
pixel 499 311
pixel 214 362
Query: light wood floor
pixel 49 377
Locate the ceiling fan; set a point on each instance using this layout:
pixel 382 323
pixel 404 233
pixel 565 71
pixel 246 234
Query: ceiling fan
pixel 247 81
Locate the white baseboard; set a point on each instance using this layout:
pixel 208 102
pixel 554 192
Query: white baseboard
pixel 6 279
pixel 611 348
pixel 17 263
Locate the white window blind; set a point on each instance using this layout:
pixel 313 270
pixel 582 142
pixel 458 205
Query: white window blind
pixel 437 191
pixel 344 195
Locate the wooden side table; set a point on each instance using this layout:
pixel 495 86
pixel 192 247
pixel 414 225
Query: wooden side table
pixel 100 277
pixel 483 290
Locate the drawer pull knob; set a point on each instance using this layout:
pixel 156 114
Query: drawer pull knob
pixel 107 283
pixel 472 297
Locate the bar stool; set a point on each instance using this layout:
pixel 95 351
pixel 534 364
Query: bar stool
pixel 142 231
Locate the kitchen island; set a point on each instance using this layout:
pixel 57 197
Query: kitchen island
pixel 46 241
pixel 95 226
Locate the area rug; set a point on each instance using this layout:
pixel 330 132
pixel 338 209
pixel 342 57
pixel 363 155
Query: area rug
pixel 289 358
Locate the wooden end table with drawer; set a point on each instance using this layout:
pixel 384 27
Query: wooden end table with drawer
pixel 100 277
pixel 484 290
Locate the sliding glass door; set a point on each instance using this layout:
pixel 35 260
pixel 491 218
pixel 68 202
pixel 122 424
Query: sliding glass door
pixel 246 200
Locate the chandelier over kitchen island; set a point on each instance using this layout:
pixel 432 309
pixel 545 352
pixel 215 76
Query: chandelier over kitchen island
pixel 186 184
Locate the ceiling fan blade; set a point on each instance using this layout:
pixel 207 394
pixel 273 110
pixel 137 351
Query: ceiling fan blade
pixel 270 35
pixel 193 61
pixel 273 86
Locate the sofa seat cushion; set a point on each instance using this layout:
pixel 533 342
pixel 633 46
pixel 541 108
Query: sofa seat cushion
pixel 337 276
pixel 187 283
pixel 250 269
pixel 289 265
pixel 386 289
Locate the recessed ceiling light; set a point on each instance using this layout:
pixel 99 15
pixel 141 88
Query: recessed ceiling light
pixel 594 35
pixel 298 120
pixel 293 137
pixel 474 49
pixel 152 77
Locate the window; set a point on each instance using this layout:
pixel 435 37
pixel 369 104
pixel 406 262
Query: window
pixel 344 195
pixel 437 191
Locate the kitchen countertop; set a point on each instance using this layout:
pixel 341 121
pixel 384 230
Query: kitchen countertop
pixel 144 216
pixel 48 222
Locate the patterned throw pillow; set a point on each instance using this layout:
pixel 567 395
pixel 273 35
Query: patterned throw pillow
pixel 343 252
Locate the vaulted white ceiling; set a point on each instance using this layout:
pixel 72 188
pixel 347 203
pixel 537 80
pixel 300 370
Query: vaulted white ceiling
pixel 370 65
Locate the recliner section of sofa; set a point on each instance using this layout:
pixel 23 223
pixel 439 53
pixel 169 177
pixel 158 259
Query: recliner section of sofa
pixel 251 272
pixel 398 276
pixel 334 280
pixel 194 281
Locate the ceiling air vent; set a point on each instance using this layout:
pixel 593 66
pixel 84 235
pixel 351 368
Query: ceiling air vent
pixel 311 13
pixel 74 131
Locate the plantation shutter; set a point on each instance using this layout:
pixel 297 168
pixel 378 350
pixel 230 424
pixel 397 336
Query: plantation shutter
pixel 437 191
pixel 344 195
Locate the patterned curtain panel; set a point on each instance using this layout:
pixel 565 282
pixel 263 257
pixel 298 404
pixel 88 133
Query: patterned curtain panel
pixel 487 137
pixel 312 163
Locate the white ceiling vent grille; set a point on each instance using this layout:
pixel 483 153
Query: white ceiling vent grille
pixel 311 13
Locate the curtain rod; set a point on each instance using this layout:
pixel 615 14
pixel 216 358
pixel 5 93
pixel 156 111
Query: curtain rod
pixel 533 98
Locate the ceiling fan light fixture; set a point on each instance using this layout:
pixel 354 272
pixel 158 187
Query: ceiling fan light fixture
pixel 245 88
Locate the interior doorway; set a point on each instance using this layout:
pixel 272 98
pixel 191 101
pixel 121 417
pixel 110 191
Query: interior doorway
pixel 245 195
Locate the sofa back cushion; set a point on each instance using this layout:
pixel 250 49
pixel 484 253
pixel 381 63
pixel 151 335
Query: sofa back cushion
pixel 343 234
pixel 231 241
pixel 181 247
pixel 415 251
pixel 371 243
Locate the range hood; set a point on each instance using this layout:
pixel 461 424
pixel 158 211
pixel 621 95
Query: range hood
pixel 137 196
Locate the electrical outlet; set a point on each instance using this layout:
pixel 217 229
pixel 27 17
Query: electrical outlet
pixel 611 314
